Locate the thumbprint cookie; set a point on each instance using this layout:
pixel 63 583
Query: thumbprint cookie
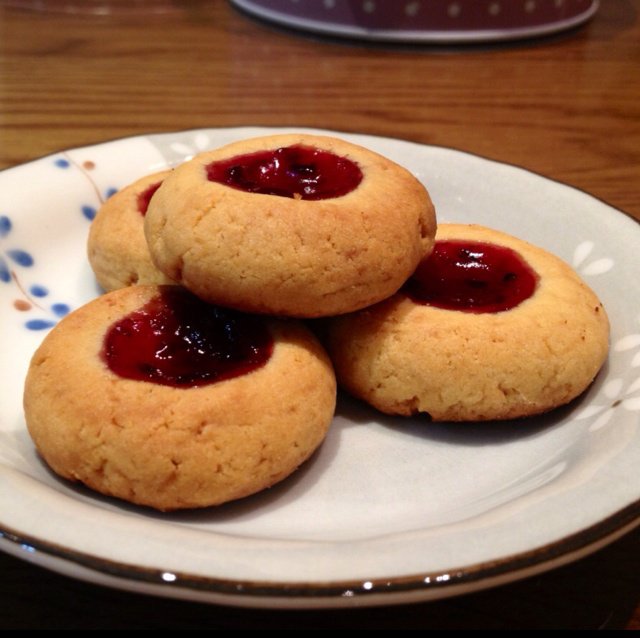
pixel 488 327
pixel 294 225
pixel 150 395
pixel 116 246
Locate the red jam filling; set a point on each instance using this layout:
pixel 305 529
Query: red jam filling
pixel 178 340
pixel 145 196
pixel 473 277
pixel 298 172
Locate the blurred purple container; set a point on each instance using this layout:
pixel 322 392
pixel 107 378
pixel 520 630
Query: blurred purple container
pixel 445 21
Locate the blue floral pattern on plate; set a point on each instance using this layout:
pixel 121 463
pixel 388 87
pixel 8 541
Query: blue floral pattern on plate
pixel 15 261
pixel 12 262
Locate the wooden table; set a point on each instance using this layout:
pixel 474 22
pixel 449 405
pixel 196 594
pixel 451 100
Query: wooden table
pixel 567 107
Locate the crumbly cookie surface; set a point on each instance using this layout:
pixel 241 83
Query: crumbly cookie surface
pixel 166 447
pixel 406 358
pixel 282 256
pixel 116 246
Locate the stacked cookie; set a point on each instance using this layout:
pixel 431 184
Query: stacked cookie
pixel 287 225
pixel 202 381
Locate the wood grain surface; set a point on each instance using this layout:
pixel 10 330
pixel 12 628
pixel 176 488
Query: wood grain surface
pixel 565 106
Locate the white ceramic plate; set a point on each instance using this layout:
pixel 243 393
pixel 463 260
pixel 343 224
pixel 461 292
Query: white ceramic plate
pixel 388 510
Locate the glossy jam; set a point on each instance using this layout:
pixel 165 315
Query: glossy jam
pixel 177 340
pixel 299 172
pixel 145 196
pixel 472 277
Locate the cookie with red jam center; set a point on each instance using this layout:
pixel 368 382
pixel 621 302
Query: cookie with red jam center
pixel 294 225
pixel 153 396
pixel 488 327
pixel 116 246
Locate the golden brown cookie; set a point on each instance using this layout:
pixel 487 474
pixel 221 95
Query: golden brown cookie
pixel 483 361
pixel 343 230
pixel 230 406
pixel 116 247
